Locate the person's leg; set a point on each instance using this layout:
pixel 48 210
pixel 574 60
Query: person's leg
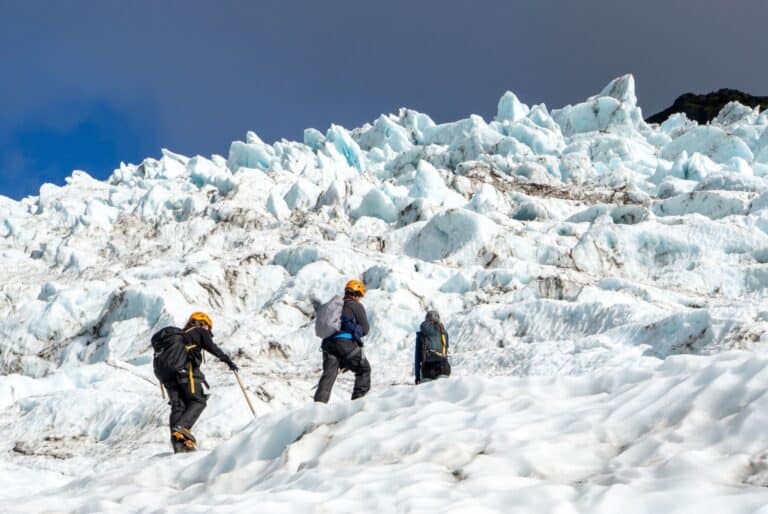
pixel 446 371
pixel 362 370
pixel 177 409
pixel 330 370
pixel 195 400
pixel 176 402
pixel 430 370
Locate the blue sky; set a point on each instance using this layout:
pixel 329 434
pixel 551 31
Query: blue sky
pixel 87 84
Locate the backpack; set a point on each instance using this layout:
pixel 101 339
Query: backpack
pixel 328 317
pixel 350 326
pixel 171 355
pixel 434 346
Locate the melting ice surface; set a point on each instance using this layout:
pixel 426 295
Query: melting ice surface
pixel 603 282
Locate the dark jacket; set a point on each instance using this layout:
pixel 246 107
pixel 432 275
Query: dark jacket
pixel 198 339
pixel 355 310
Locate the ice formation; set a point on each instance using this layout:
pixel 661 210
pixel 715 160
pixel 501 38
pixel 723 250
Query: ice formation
pixel 603 281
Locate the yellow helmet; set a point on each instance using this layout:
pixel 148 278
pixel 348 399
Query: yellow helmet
pixel 202 317
pixel 355 286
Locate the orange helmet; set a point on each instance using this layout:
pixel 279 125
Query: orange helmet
pixel 355 286
pixel 202 317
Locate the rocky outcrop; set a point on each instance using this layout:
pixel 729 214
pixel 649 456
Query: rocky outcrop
pixel 704 108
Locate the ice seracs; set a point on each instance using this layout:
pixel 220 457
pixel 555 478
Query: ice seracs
pixel 511 109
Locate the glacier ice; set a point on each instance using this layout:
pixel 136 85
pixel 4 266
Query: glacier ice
pixel 711 141
pixel 510 109
pixel 574 254
pixel 378 205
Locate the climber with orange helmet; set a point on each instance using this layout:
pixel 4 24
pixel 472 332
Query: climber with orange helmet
pixel 344 349
pixel 178 355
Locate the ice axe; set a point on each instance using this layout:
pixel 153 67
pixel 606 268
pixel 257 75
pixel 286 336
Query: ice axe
pixel 242 388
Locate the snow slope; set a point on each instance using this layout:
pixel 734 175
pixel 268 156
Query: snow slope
pixel 685 435
pixel 574 255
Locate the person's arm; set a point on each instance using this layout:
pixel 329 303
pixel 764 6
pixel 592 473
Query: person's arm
pixel 361 317
pixel 417 359
pixel 207 344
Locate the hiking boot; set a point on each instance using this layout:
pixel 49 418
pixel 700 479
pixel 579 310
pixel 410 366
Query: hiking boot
pixel 189 446
pixel 182 434
pixel 177 445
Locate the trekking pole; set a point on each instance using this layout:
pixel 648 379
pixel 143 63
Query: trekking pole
pixel 242 388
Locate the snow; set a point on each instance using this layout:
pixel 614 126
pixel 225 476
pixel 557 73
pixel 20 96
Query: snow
pixel 603 282
pixel 681 435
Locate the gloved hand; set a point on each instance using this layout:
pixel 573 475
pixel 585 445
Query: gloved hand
pixel 232 365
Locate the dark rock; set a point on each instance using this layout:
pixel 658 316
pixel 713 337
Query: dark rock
pixel 704 108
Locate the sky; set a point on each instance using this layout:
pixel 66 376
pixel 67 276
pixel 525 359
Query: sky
pixel 86 84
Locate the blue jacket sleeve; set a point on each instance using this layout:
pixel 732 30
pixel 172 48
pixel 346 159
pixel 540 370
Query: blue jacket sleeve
pixel 417 359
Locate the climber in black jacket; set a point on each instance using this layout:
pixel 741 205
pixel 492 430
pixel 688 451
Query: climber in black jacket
pixel 185 386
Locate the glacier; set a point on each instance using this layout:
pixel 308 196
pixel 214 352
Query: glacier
pixel 603 281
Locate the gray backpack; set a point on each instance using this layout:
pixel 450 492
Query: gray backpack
pixel 328 317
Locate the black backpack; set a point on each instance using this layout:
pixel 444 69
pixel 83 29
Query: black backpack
pixel 171 356
pixel 434 346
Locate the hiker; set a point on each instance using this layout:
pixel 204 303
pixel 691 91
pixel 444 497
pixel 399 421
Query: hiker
pixel 178 355
pixel 344 349
pixel 431 355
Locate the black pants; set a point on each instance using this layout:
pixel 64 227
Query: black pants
pixel 187 401
pixel 345 354
pixel 430 370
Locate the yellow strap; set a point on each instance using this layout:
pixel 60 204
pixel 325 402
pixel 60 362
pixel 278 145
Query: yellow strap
pixel 445 349
pixel 189 347
pixel 191 379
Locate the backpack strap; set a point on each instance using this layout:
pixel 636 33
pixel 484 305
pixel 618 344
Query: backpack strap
pixel 191 380
pixel 189 347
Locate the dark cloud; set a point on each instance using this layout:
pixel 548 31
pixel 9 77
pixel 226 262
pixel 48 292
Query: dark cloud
pixel 203 73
